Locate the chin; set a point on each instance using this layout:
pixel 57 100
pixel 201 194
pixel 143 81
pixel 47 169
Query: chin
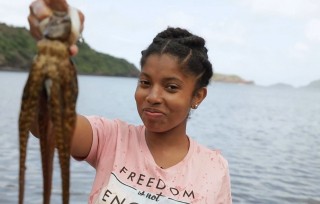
pixel 155 128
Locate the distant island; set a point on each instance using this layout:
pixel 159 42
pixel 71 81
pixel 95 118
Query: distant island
pixel 224 78
pixel 281 86
pixel 313 85
pixel 17 48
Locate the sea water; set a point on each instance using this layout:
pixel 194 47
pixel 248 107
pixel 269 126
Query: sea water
pixel 270 137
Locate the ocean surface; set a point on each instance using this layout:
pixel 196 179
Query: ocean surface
pixel 270 137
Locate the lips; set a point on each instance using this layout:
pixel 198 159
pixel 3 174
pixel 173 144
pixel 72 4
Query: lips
pixel 151 112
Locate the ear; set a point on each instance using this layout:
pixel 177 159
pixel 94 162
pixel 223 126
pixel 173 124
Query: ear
pixel 198 97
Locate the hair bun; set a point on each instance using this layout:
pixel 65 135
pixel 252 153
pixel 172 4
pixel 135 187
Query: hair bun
pixel 189 48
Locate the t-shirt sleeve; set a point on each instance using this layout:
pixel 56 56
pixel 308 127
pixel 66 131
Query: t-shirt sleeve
pixel 224 194
pixel 104 139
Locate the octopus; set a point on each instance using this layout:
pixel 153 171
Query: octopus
pixel 49 99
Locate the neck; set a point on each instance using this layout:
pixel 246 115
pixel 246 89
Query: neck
pixel 172 138
pixel 167 149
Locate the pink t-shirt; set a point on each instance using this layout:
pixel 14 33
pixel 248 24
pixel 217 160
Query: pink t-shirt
pixel 126 172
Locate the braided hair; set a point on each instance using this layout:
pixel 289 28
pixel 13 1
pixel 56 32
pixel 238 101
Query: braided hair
pixel 189 49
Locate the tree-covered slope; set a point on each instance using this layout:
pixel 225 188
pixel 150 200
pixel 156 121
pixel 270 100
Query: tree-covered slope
pixel 17 48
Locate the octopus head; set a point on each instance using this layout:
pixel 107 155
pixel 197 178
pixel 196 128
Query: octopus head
pixel 58 27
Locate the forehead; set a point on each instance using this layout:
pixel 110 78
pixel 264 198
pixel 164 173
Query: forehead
pixel 164 65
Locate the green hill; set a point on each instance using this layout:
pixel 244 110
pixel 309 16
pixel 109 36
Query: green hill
pixel 17 48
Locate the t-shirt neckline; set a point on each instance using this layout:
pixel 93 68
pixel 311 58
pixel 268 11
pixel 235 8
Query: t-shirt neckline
pixel 151 161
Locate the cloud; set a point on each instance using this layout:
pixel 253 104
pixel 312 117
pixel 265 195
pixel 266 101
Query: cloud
pixel 312 30
pixel 227 33
pixel 300 50
pixel 289 8
pixel 13 12
pixel 176 18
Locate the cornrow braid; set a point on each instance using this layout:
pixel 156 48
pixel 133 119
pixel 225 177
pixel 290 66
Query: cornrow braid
pixel 188 48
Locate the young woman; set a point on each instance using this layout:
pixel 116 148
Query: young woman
pixel 156 162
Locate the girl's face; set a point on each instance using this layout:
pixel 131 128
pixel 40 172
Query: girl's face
pixel 164 94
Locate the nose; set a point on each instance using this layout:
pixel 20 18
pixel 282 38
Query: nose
pixel 154 96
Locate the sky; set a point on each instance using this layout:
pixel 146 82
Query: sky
pixel 266 41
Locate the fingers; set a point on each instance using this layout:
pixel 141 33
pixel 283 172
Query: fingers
pixel 81 15
pixel 34 27
pixel 57 5
pixel 40 10
pixel 73 50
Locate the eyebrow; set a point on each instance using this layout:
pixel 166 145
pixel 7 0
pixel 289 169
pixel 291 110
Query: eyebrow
pixel 173 79
pixel 143 73
pixel 165 79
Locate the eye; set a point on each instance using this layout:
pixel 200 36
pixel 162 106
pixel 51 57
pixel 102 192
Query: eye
pixel 144 83
pixel 172 88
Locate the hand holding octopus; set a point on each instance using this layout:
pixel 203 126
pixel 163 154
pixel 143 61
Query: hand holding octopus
pixel 41 10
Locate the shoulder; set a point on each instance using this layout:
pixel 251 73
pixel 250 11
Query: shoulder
pixel 212 173
pixel 104 125
pixel 100 121
pixel 213 158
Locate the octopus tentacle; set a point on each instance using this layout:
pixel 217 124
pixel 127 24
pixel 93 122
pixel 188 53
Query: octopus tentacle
pixel 46 145
pixel 27 115
pixel 47 140
pixel 61 136
pixel 68 118
pixel 70 93
pixel 56 107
